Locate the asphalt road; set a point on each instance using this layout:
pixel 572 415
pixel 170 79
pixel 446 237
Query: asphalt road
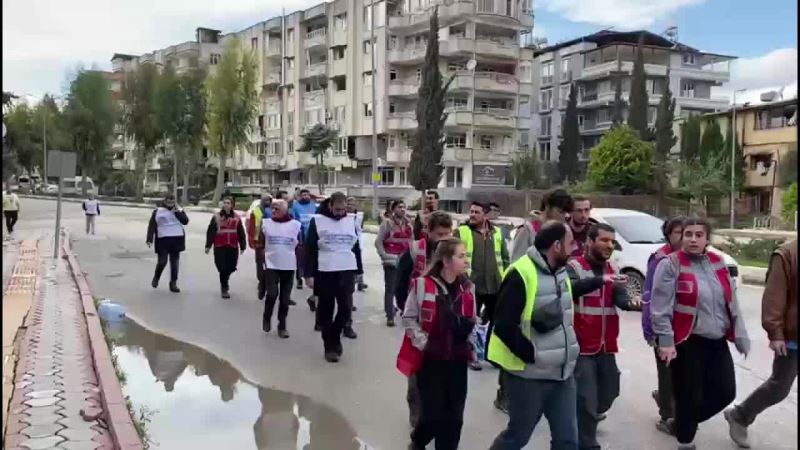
pixel 364 387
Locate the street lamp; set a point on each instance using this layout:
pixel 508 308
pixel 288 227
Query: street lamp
pixel 733 160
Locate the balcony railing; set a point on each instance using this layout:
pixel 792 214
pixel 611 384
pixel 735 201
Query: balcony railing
pixel 316 37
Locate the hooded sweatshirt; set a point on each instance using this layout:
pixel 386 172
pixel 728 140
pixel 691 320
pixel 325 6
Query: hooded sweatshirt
pixel 524 238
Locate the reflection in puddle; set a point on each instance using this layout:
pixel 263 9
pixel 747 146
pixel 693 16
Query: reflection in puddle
pixel 202 402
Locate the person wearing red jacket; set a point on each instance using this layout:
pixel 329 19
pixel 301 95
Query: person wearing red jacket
pixel 226 234
pixel 596 325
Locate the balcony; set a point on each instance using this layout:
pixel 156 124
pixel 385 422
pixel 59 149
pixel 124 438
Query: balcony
pixel 316 38
pixel 398 155
pixel 449 11
pixel 271 161
pixel 717 73
pixel 402 121
pixel 319 69
pixel 687 100
pixel 496 82
pixel 339 67
pixel 407 55
pixel 272 78
pixel 604 70
pixel 457 154
pixel 400 88
pixel 459 116
pixel 761 176
pixel 274 50
pixel 497 48
pixel 314 98
pixel 494 118
pixel 119 164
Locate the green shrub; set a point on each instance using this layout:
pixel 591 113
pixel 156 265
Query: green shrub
pixel 789 203
pixel 755 252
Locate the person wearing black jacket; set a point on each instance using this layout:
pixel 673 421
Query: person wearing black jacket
pixel 166 230
pixel 420 227
pixel 225 233
pixel 333 259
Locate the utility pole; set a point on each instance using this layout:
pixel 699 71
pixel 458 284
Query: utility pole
pixel 375 177
pixel 44 146
pixel 733 161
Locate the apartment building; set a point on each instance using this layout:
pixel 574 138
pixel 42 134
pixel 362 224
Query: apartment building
pixel 595 61
pixel 316 66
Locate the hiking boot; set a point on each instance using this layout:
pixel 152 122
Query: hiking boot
pixel 666 426
pixel 349 333
pixel 283 334
pixel 312 304
pixel 173 287
pixel 736 429
pixel 331 357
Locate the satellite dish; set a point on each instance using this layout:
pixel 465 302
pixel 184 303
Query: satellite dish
pixel 471 64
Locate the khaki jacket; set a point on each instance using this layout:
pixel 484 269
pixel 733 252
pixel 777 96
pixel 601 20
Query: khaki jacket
pixel 779 304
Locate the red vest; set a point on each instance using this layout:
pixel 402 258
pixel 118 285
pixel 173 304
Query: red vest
pixel 662 252
pixel 578 252
pixel 686 294
pixel 410 358
pixel 595 321
pixel 397 242
pixel 227 231
pixel 536 225
pixel 418 255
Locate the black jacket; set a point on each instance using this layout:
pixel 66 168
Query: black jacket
pixel 405 266
pixel 171 243
pixel 311 245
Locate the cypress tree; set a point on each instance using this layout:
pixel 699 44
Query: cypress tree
pixel 618 108
pixel 665 140
pixel 571 139
pixel 637 114
pixel 690 139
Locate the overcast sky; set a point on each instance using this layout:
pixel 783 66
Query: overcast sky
pixel 44 41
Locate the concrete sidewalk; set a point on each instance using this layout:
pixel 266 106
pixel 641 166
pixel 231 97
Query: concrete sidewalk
pixel 56 397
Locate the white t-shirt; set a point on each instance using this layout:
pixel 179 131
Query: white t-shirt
pixel 336 241
pixel 281 240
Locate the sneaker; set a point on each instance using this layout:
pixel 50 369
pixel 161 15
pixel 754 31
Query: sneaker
pixel 173 287
pixel 666 426
pixel 737 431
pixel 154 283
pixel 283 334
pixel 292 302
pixel 362 287
pixel 689 446
pixel 390 322
pixel 300 284
pixel 312 305
pixel 349 333
pixel 475 365
pixel 332 357
pixel 266 326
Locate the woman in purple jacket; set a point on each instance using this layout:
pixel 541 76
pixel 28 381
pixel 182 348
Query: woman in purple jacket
pixel 673 233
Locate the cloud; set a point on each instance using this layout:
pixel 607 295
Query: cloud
pixel 621 14
pixel 57 35
pixel 771 71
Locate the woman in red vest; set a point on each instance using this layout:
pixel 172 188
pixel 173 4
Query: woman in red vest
pixel 439 318
pixel 694 314
pixel 226 233
pixel 394 238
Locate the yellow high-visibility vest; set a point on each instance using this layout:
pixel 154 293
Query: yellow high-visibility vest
pixel 465 234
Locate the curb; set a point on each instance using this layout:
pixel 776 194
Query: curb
pixel 120 424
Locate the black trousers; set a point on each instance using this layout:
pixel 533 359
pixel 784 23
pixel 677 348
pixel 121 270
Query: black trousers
pixel 261 272
pixel 174 261
pixel 703 383
pixel 11 219
pixel 334 291
pixel 389 274
pixel 279 285
pixel 666 403
pixel 442 393
pixel 597 379
pixel 226 260
pixel 487 302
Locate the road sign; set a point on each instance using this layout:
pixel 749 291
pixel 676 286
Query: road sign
pixel 61 164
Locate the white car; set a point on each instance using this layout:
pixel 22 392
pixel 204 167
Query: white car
pixel 638 236
pixel 51 189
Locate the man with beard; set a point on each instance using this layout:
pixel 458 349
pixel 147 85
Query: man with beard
pixel 352 208
pixel 534 343
pixel 394 238
pixel 597 329
pixel 421 221
pixel 255 238
pixel 413 264
pixel 556 205
pixel 579 222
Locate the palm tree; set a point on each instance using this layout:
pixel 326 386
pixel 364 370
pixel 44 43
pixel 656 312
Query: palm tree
pixel 317 141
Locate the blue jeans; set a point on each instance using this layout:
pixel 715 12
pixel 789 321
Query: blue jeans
pixel 527 401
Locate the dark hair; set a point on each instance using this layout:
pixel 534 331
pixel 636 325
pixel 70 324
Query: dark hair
pixel 169 197
pixel 558 198
pixel 433 193
pixel 337 197
pixel 305 191
pixel 281 195
pixel 439 219
pixel 482 205
pixel 552 231
pixel 581 198
pixel 698 221
pixel 493 204
pixel 669 225
pixel 595 230
pixel 395 203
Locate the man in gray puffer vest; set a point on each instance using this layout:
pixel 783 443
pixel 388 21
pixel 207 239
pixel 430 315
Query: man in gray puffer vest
pixel 534 342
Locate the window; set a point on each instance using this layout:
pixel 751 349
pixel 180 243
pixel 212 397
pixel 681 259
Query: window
pixel 338 52
pixel 290 123
pixel 387 176
pixel 392 75
pixel 339 114
pixel 457 103
pixel 486 142
pixel 524 105
pixel 341 146
pixel 563 96
pixel 339 84
pixel 290 145
pixel 290 37
pixel 456 141
pixel 368 48
pixel 687 89
pixel 603 116
pixel 214 58
pixel 253 43
pixel 509 10
pixel 544 151
pixel 454 176
pixel 392 141
pixel 366 78
pixel 340 22
pixel 392 42
pixel 455 67
pixel 419 75
pixel 776 117
pixel 290 63
pixel 651 114
pixel 368 109
pixel 547 72
pixel 546 123
pixel 546 100
pixel 688 58
pixel 651 86
pixel 402 178
pixel 565 74
pixel 273 148
pixel 392 107
pixel 273 121
pixel 525 71
pixel 580 121
pixel 485 6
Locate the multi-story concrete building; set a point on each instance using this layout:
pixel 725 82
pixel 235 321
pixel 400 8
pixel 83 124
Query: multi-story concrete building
pixel 595 61
pixel 316 66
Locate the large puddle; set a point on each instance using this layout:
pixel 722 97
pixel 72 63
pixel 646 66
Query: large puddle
pixel 198 401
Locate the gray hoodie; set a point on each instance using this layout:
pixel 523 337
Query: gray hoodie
pixel 712 320
pixel 523 239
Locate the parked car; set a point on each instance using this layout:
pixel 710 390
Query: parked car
pixel 74 186
pixel 638 236
pixel 51 189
